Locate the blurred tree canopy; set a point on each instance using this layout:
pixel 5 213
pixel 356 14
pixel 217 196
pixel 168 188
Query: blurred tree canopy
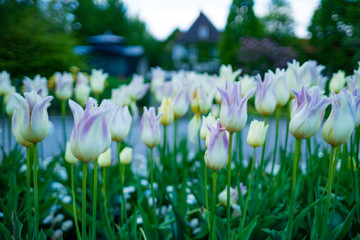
pixel 33 40
pixel 335 29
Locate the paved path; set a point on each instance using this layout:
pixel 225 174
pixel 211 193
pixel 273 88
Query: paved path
pixel 53 142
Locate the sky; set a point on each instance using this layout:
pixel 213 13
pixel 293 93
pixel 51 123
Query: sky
pixel 163 16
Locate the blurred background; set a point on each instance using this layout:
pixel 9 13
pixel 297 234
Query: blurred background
pixel 126 37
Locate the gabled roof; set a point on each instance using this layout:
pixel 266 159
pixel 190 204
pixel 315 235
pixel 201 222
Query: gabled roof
pixel 192 35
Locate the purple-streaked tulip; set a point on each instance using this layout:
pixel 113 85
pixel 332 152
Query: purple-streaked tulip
pixel 64 85
pixel 91 135
pixel 356 94
pixel 181 102
pixel 119 122
pixel 340 124
pixel 233 111
pixel 294 75
pixel 208 120
pixel 312 74
pixel 137 88
pixel 309 113
pixel 5 83
pixel 97 81
pixel 337 81
pixel 31 116
pixel 39 85
pixel 265 95
pixel 216 155
pixel 150 127
pixel 82 89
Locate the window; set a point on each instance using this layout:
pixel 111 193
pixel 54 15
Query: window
pixel 203 32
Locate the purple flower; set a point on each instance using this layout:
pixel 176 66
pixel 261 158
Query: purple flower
pixel 119 122
pixel 150 127
pixel 91 135
pixel 64 85
pixel 265 95
pixel 233 111
pixel 39 85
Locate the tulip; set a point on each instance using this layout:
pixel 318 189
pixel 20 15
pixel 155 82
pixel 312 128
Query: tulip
pixel 337 81
pixel 308 112
pixel 31 116
pixel 208 120
pixel 193 127
pixel 181 102
pixel 167 108
pixel 119 122
pixel 126 156
pixel 265 95
pixel 137 88
pixel 281 87
pixel 335 131
pixel 69 156
pixel 247 82
pixel 97 81
pixel 201 101
pixel 5 83
pixel 356 95
pixel 120 96
pixel 257 133
pixel 82 89
pixel 294 75
pixel 311 74
pixel 157 79
pixel 39 85
pixel 227 74
pixel 233 197
pixel 64 86
pixel 150 128
pixel 233 111
pixel 91 135
pixel 216 153
pixel 104 159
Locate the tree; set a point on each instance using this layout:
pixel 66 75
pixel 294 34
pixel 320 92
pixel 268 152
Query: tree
pixel 335 33
pixel 241 22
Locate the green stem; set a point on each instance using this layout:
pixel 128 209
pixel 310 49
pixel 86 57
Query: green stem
pixel 206 195
pixel 9 133
pixel 63 113
pixel 263 151
pixel 105 204
pixel 164 148
pixel 3 119
pixel 293 186
pixel 310 164
pixel 94 200
pixel 328 194
pixel 36 192
pixel 276 139
pixel 121 185
pixel 228 186
pixel 123 203
pixel 248 194
pixel 175 153
pixel 240 149
pixel 152 185
pixel 73 202
pixel 28 183
pixel 83 220
pixel 287 125
pixel 213 207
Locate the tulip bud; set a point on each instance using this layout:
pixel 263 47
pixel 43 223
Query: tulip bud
pixel 281 87
pixel 201 101
pixel 137 88
pixel 294 77
pixel 181 102
pixel 167 108
pixel 337 81
pixel 5 83
pixel 97 81
pixel 91 135
pixel 247 83
pixel 69 156
pixel 119 122
pixel 233 196
pixel 193 128
pixel 257 133
pixel 216 153
pixel 233 111
pixel 39 85
pixel 32 116
pixel 150 128
pixel 126 156
pixel 204 131
pixel 265 95
pixel 339 126
pixel 64 86
pixel 10 102
pixel 308 112
pixel 104 159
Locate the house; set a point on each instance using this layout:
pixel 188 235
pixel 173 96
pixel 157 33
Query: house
pixel 196 49
pixel 109 52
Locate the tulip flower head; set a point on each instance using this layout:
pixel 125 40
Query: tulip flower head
pixel 167 108
pixel 31 118
pixel 340 124
pixel 294 75
pixel 308 112
pixel 257 133
pixel 97 81
pixel 356 94
pixel 39 85
pixel 233 111
pixel 82 89
pixel 69 156
pixel 126 156
pixel 281 87
pixel 216 153
pixel 227 74
pixel 265 95
pixel 119 122
pixel 247 83
pixel 137 88
pixel 234 196
pixel 10 102
pixel 104 159
pixel 208 120
pixel 91 135
pixel 64 86
pixel 201 101
pixel 150 127
pixel 312 74
pixel 193 128
pixel 337 81
pixel 181 102
pixel 5 83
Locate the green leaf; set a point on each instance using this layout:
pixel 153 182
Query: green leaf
pixel 300 217
pixel 4 232
pixel 339 231
pixel 246 232
pixel 17 226
pixel 42 235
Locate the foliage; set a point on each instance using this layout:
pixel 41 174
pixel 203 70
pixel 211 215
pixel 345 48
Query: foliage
pixel 335 33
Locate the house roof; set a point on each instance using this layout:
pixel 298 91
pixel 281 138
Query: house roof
pixel 107 38
pixel 193 35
